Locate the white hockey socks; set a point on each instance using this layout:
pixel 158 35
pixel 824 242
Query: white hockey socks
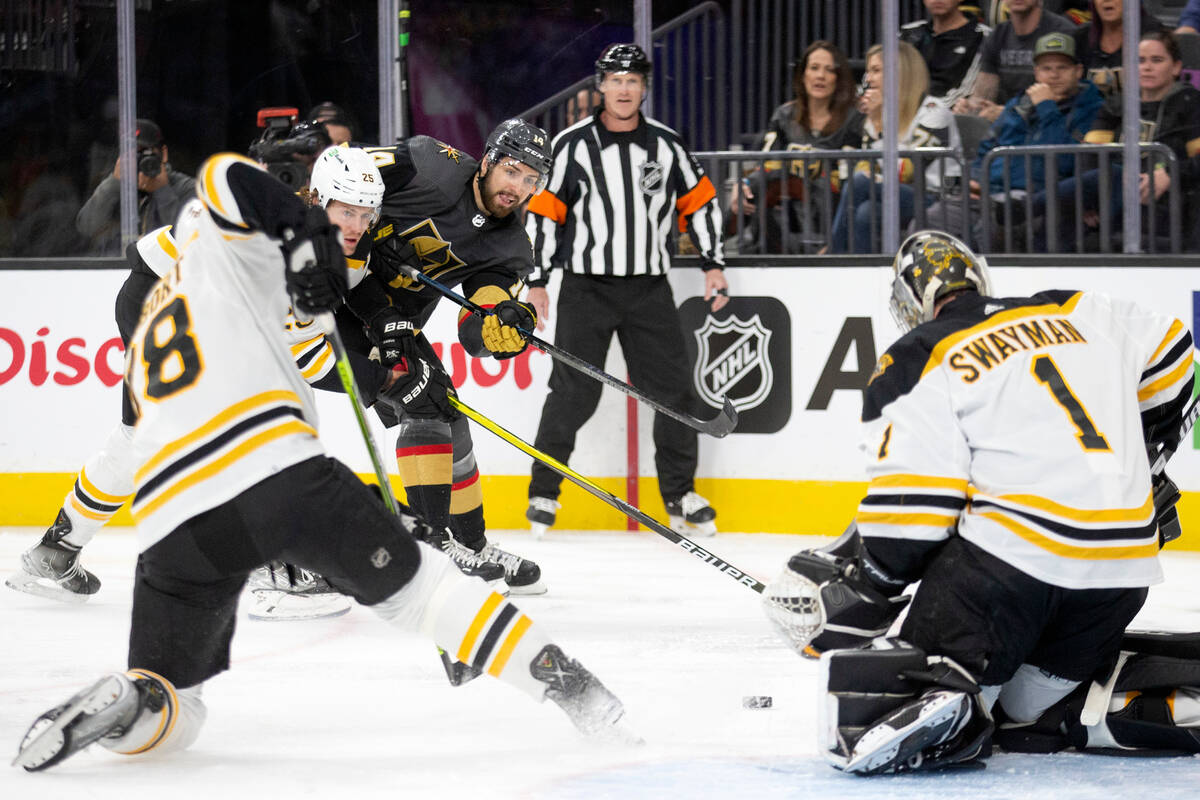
pixel 170 722
pixel 469 621
pixel 103 485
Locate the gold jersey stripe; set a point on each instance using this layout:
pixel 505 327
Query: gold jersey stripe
pixel 318 364
pixel 994 321
pixel 881 518
pixel 1172 332
pixel 909 481
pixel 510 643
pixel 288 428
pixel 1086 553
pixel 299 348
pixel 1140 514
pixel 83 510
pixel 1172 377
pixel 167 243
pixel 219 421
pixel 92 491
pixel 476 627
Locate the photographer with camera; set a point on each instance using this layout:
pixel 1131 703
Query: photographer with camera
pixel 287 148
pixel 161 193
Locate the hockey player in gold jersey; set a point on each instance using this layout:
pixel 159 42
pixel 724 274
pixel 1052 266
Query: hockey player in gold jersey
pixel 233 474
pixel 1006 443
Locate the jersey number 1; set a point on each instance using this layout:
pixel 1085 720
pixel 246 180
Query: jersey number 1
pixel 1046 371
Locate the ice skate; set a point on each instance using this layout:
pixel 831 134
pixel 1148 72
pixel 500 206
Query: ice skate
pixel 279 592
pixel 541 514
pixel 467 560
pixel 105 709
pixel 898 742
pixel 520 574
pixel 691 515
pixel 51 568
pixel 593 709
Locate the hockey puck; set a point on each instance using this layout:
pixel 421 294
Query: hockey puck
pixel 756 701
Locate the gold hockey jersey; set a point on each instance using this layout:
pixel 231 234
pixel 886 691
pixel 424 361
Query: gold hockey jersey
pixel 1022 425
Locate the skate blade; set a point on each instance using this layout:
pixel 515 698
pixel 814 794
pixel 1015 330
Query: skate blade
pixel 271 605
pixel 702 530
pixel 538 529
pixel 43 587
pixel 535 588
pixel 50 745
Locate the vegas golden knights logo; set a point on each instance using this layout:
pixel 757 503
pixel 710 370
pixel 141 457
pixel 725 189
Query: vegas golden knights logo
pixel 435 255
pixel 732 360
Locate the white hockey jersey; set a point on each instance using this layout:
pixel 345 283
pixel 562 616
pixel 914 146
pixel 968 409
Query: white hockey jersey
pixel 1022 424
pixel 220 402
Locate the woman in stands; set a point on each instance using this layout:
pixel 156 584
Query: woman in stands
pixel 1098 43
pixel 924 122
pixel 1169 113
pixel 821 116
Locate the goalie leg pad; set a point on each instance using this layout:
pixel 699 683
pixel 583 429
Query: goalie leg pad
pixel 891 708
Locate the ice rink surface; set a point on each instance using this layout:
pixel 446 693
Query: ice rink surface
pixel 349 708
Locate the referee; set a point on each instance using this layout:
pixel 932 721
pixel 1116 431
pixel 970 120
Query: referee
pixel 619 182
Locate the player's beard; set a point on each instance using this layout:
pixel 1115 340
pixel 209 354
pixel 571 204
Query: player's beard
pixel 489 194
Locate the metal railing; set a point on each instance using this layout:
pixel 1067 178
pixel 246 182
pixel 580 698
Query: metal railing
pixel 796 195
pixel 1027 209
pixel 688 86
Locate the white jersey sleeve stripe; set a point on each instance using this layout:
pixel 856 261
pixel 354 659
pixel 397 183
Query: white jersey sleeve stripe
pixel 1100 551
pixel 1138 514
pixel 1170 383
pixel 214 190
pixel 157 248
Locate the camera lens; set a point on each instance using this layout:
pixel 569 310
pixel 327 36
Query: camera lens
pixel 149 163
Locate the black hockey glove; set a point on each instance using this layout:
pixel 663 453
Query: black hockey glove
pixel 1166 495
pixel 833 597
pixel 500 334
pixel 315 266
pixel 387 256
pixel 421 392
pixel 394 337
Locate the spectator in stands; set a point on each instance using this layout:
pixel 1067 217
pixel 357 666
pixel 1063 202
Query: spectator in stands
pixel 1006 60
pixel 949 41
pixel 924 122
pixel 821 116
pixel 161 193
pixel 1057 109
pixel 337 122
pixel 1074 10
pixel 582 105
pixel 1170 113
pixel 1099 43
pixel 1189 18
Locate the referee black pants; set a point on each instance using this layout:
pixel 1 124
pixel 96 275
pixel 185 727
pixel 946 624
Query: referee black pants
pixel 641 311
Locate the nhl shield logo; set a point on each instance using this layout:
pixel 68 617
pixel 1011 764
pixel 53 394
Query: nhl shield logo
pixel 380 558
pixel 732 361
pixel 651 177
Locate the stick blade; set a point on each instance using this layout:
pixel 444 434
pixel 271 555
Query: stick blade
pixel 721 425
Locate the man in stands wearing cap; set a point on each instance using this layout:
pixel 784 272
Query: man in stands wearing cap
pixel 1057 109
pixel 161 193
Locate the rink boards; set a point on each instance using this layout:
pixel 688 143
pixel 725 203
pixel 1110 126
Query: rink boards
pixel 793 351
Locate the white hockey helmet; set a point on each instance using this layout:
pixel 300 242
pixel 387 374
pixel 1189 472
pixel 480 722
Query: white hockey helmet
pixel 347 174
pixel 928 266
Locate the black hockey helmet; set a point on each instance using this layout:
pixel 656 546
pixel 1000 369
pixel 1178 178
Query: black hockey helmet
pixel 623 58
pixel 928 266
pixel 523 141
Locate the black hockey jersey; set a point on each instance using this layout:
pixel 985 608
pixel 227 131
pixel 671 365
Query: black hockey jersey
pixel 429 202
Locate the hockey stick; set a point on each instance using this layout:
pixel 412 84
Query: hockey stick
pixel 625 508
pixel 719 426
pixel 1170 446
pixel 457 672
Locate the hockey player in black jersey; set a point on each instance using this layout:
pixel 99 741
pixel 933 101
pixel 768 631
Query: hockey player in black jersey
pixel 452 218
pixel 1006 443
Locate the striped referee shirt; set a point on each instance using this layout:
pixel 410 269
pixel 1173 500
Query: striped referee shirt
pixel 611 199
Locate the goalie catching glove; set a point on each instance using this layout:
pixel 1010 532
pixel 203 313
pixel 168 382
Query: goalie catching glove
pixel 832 597
pixel 315 266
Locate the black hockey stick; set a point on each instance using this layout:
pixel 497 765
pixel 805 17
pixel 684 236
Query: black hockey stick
pixel 719 426
pixel 631 511
pixel 1171 445
pixel 457 672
